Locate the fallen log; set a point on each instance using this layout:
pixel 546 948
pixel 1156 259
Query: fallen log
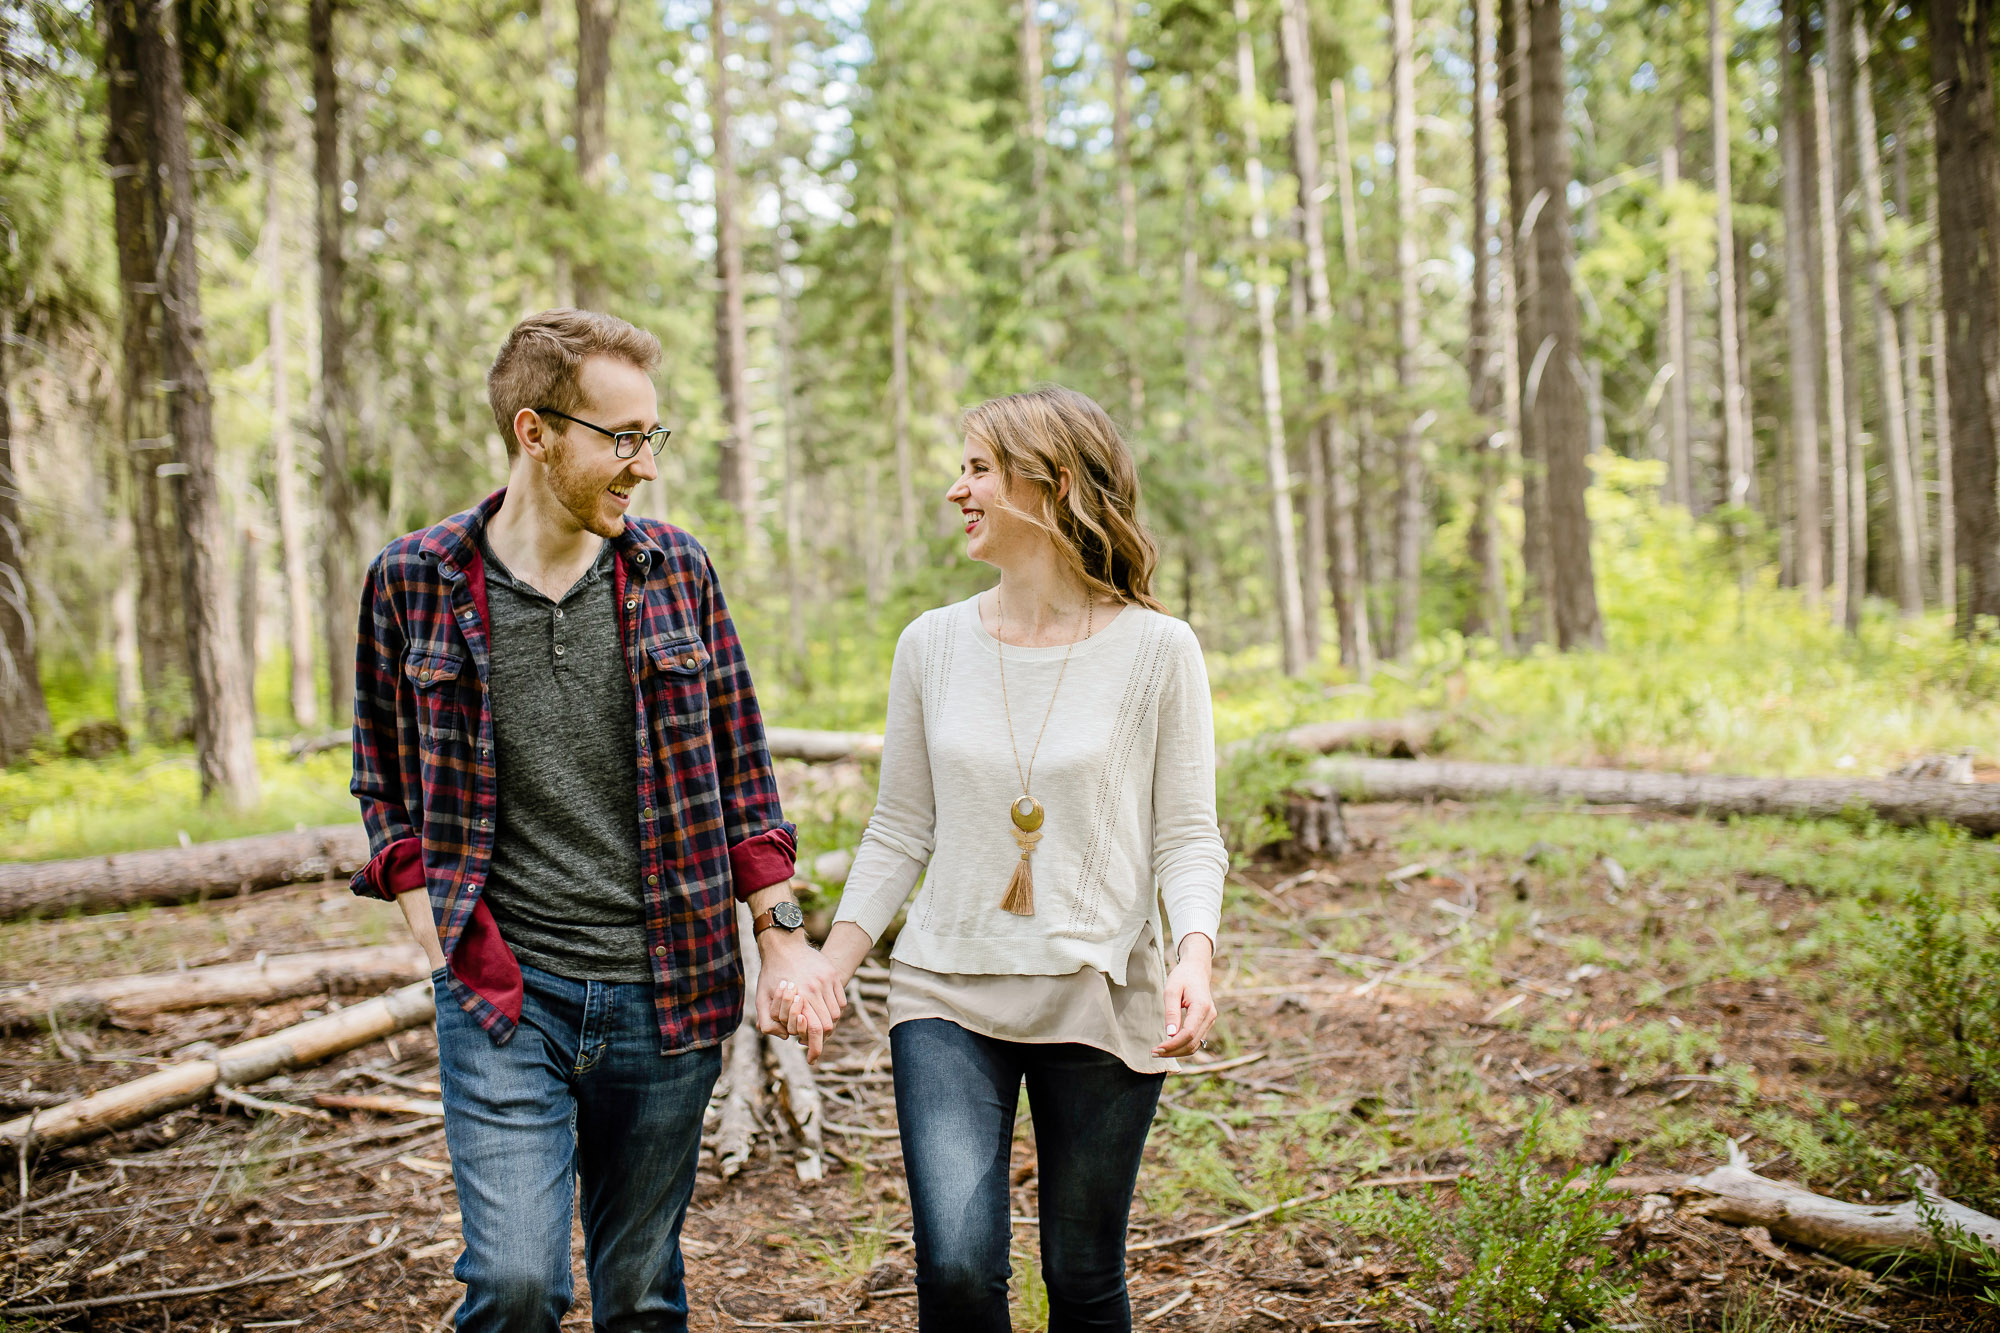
pixel 1929 1225
pixel 181 874
pixel 821 747
pixel 1975 806
pixel 1408 735
pixel 329 971
pixel 379 1103
pixel 169 1089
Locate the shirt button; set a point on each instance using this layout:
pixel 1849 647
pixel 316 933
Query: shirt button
pixel 424 674
pixel 659 951
pixel 652 879
pixel 632 604
pixel 690 661
pixel 647 813
pixel 486 823
pixel 558 650
pixel 559 613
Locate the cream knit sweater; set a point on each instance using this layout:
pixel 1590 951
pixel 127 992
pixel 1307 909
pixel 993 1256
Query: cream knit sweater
pixel 1126 773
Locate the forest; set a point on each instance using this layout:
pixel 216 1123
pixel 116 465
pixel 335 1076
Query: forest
pixel 1588 409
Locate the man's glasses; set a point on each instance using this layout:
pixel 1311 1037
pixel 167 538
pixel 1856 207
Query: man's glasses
pixel 624 443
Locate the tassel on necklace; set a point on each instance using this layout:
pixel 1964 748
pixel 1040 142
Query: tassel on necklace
pixel 1027 815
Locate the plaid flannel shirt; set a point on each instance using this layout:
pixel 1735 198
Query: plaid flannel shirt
pixel 710 829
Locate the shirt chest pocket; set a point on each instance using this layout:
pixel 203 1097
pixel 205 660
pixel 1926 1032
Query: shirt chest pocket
pixel 436 685
pixel 676 682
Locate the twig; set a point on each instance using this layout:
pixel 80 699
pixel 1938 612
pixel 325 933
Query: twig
pixel 1317 1196
pixel 789 1323
pixel 235 1284
pixel 1834 1310
pixel 859 1131
pixel 1187 1294
pixel 1193 1067
pixel 1402 969
pixel 63 1048
pixel 233 1097
pixel 36 1205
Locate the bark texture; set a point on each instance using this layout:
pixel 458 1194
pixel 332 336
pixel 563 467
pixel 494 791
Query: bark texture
pixel 329 972
pixel 1277 465
pixel 24 714
pixel 1484 363
pixel 1525 204
pixel 1972 805
pixel 181 874
pixel 220 690
pixel 736 468
pixel 1844 592
pixel 1802 326
pixel 1968 232
pixel 1409 442
pixel 340 568
pixel 1556 401
pixel 292 553
pixel 596 22
pixel 1735 419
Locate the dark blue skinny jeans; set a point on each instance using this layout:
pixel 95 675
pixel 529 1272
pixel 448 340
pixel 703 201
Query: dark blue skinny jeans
pixel 955 1097
pixel 581 1092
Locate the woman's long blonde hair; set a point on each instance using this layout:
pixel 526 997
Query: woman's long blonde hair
pixel 1037 435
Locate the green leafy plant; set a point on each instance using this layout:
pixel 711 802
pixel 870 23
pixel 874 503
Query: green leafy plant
pixel 1941 986
pixel 1522 1251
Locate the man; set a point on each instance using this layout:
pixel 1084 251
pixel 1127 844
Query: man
pixel 563 771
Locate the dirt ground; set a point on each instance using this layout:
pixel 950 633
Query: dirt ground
pixel 1307 982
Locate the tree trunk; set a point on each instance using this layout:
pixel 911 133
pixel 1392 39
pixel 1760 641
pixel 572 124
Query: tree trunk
pixel 1735 429
pixel 1904 801
pixel 1680 415
pixel 284 465
pixel 1844 591
pixel 1798 165
pixel 128 147
pixel 249 612
pixel 1888 342
pixel 1348 473
pixel 1128 200
pixel 1327 440
pixel 1912 344
pixel 224 733
pixel 596 22
pixel 1284 545
pixel 1409 444
pixel 1947 544
pixel 1041 242
pixel 24 715
pixel 736 468
pixel 340 571
pixel 1968 232
pixel 1556 404
pixel 899 386
pixel 1482 348
pixel 1840 80
pixel 1525 205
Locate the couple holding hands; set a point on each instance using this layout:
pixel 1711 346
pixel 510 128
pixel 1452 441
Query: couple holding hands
pixel 560 759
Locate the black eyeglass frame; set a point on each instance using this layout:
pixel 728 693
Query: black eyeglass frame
pixel 656 437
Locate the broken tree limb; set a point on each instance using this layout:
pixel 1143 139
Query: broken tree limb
pixel 336 971
pixel 798 1094
pixel 1975 806
pixel 1735 1194
pixel 743 1067
pixel 169 1089
pixel 181 874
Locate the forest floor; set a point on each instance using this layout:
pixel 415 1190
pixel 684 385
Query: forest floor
pixel 1649 982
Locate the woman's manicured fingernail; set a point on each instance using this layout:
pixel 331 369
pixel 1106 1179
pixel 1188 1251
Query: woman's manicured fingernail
pixel 1172 1029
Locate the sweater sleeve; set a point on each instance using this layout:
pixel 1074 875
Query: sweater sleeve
pixel 1189 860
pixel 903 830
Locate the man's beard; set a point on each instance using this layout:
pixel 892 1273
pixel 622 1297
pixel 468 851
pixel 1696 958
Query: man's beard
pixel 580 495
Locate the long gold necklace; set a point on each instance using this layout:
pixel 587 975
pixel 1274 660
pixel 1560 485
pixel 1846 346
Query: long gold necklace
pixel 1026 811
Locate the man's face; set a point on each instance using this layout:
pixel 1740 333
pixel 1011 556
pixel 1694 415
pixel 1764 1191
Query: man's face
pixel 585 475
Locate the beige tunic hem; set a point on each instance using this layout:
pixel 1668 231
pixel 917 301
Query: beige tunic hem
pixel 1084 1007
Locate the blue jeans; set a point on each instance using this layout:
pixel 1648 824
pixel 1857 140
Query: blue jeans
pixel 581 1091
pixel 955 1098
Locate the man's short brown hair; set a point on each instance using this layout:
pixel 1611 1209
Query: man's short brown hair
pixel 541 359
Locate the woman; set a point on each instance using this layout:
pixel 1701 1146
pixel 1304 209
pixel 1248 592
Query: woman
pixel 1050 762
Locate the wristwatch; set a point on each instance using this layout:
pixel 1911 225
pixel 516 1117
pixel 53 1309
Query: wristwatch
pixel 784 915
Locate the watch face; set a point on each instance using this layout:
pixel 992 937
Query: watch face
pixel 787 916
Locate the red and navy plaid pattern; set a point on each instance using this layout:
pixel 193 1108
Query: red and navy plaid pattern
pixel 710 828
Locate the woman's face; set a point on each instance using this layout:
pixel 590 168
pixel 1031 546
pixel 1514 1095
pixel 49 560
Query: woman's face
pixel 993 531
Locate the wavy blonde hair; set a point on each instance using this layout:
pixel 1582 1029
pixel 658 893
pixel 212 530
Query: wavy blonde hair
pixel 1038 435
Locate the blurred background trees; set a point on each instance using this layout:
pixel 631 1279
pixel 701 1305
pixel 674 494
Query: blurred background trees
pixel 1375 288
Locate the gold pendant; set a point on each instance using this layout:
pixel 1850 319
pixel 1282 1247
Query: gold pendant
pixel 1027 816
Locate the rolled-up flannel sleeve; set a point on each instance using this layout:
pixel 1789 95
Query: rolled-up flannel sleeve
pixel 396 861
pixel 762 846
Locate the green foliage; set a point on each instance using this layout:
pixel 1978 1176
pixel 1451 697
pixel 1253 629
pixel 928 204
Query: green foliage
pixel 1939 978
pixel 1521 1250
pixel 1251 786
